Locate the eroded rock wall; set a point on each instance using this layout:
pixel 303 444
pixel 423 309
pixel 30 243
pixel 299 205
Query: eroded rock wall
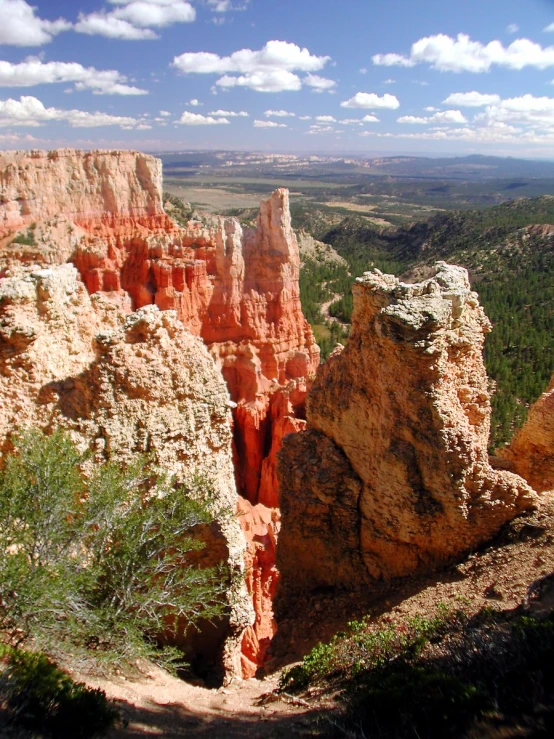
pixel 235 288
pixel 392 476
pixel 123 385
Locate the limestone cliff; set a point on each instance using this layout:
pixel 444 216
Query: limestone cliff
pixel 531 452
pixel 392 475
pixel 123 385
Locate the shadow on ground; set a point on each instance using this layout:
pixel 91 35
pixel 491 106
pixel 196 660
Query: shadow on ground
pixel 173 722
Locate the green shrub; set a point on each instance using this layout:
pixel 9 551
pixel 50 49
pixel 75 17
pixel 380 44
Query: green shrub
pixel 38 695
pixel 105 562
pixel 27 238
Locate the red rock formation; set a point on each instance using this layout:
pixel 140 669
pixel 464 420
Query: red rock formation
pixel 236 288
pixel 260 526
pixel 392 476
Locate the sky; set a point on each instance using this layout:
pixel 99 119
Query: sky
pixel 372 77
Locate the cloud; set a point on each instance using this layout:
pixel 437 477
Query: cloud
pixel 20 26
pixel 319 84
pixel 447 116
pixel 512 28
pixel 100 24
pixel 229 114
pixel 305 118
pixel 389 82
pixel 196 119
pixel 270 69
pixel 527 111
pixel 154 13
pixel 279 114
pixel 549 28
pixel 194 102
pixel 352 122
pixel 464 55
pixel 370 119
pixel 315 129
pixel 29 111
pixel 134 20
pixel 225 6
pixel 471 99
pixel 269 124
pixel 325 119
pixel 35 72
pixel 277 80
pixel 371 100
pixel 165 113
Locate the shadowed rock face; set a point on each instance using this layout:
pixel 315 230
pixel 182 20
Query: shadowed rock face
pixel 392 476
pixel 531 452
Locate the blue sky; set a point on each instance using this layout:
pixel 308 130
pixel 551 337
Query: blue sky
pixel 422 76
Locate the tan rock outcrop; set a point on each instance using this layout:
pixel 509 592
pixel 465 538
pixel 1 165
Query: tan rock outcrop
pixel 123 386
pixel 531 452
pixel 392 476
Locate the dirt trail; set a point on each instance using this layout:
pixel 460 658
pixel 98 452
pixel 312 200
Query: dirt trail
pixel 498 576
pixel 161 705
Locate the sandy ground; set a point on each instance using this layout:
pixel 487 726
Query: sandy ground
pixel 161 705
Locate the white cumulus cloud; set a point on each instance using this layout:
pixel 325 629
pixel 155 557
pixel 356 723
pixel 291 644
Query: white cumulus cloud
pixel 29 111
pixel 20 25
pixel 279 114
pixel 269 124
pixel 35 72
pixel 461 54
pixel 471 99
pixel 270 69
pixel 446 116
pixel 319 84
pixel 372 101
pixel 101 24
pixel 370 119
pixel 196 119
pixel 229 114
pixel 527 110
pixel 134 20
pixel 325 119
pixel 148 13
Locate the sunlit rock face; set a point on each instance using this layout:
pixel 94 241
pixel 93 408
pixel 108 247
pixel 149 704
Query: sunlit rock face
pixel 392 475
pixel 237 289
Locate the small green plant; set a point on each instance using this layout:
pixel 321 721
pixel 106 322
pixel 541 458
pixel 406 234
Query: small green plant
pixel 104 563
pixel 27 238
pixel 39 695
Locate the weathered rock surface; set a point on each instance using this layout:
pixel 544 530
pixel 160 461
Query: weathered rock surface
pixel 122 386
pixel 531 452
pixel 235 288
pixel 83 186
pixel 392 476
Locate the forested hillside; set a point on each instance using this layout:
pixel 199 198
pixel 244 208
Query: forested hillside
pixel 509 252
